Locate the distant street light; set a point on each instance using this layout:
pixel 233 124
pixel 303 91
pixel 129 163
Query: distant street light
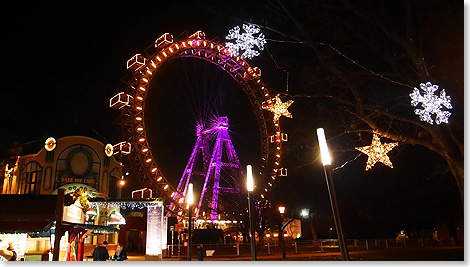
pixel 121 183
pixel 326 160
pixel 250 186
pixel 304 213
pixel 189 201
pixel 281 231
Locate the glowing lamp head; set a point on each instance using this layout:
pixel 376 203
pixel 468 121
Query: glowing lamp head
pixel 282 209
pixel 304 213
pixel 189 195
pixel 325 154
pixel 122 183
pixel 249 178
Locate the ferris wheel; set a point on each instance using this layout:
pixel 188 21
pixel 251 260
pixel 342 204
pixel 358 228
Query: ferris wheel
pixel 131 103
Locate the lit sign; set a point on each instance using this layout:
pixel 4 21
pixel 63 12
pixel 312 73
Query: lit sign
pixel 67 180
pixel 74 213
pixel 154 229
pixel 50 144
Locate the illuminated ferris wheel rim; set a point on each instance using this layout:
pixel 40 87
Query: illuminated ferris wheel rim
pixel 248 77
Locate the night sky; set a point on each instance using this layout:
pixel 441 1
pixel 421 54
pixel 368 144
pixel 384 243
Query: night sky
pixel 64 62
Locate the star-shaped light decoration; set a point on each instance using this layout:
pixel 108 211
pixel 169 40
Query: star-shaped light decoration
pixel 277 107
pixel 377 152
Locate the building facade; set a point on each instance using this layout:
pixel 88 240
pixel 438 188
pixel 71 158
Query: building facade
pixel 70 162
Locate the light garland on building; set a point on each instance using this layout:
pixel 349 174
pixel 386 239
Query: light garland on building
pixel 278 108
pixel 377 152
pixel 431 103
pixel 124 204
pixel 246 41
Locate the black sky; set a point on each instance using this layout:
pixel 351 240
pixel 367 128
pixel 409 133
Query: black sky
pixel 64 61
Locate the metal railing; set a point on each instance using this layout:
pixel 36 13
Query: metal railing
pixel 304 247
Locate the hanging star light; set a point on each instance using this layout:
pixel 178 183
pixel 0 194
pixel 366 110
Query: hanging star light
pixel 377 152
pixel 277 107
pixel 245 41
pixel 431 103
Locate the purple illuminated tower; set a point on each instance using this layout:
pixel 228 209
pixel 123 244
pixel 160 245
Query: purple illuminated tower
pixel 220 187
pixel 201 150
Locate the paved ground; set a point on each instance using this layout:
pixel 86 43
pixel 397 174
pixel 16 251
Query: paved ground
pixel 454 253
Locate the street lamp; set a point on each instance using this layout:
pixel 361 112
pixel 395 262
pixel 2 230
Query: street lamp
pixel 121 184
pixel 250 187
pixel 189 201
pixel 326 160
pixel 281 231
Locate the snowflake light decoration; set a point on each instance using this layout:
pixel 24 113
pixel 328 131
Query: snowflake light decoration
pixel 277 107
pixel 377 152
pixel 246 41
pixel 431 103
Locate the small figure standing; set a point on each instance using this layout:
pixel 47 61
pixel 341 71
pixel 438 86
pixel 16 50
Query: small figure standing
pixel 101 252
pixel 120 254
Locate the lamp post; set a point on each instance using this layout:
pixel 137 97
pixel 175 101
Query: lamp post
pixel 250 187
pixel 326 160
pixel 281 231
pixel 189 201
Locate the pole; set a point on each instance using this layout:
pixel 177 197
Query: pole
pixel 252 228
pixel 281 237
pixel 59 228
pixel 179 244
pixel 172 228
pixel 334 206
pixel 190 214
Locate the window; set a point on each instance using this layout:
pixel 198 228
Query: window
pixel 113 183
pixel 31 176
pixel 78 164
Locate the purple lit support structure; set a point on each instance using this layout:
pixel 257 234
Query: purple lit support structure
pixel 212 181
pixel 223 164
pixel 200 148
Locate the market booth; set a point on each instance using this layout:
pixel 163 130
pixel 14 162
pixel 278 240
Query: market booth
pixel 32 223
pixel 25 221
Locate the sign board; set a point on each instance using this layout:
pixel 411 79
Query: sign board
pixel 153 249
pixel 74 213
pixel 165 232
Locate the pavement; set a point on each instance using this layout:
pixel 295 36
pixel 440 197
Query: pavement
pixel 454 253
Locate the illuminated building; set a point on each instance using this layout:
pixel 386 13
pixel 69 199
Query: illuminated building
pixel 80 165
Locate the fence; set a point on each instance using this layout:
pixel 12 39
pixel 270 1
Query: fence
pixel 306 247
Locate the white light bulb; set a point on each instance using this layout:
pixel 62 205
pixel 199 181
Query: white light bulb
pixel 189 195
pixel 249 178
pixel 325 154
